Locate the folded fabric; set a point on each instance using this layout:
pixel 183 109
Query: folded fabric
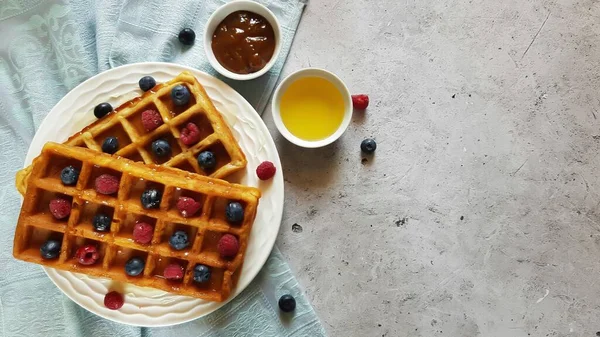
pixel 49 47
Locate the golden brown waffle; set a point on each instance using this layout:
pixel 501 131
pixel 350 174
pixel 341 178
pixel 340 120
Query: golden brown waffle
pixel 36 224
pixel 135 142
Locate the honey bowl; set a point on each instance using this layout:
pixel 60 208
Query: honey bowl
pixel 312 108
pixel 242 40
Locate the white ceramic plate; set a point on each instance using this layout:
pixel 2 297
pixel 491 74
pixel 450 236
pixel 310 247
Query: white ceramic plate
pixel 145 306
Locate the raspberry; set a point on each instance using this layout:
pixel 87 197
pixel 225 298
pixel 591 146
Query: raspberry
pixel 87 255
pixel 228 246
pixel 360 102
pixel 107 184
pixel 60 208
pixel 190 134
pixel 113 300
pixel 173 272
pixel 266 170
pixel 151 119
pixel 188 206
pixel 142 232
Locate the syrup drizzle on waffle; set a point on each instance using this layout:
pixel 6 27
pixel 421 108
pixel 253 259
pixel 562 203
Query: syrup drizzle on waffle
pixel 36 224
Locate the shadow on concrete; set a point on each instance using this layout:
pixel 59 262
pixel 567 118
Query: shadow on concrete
pixel 308 167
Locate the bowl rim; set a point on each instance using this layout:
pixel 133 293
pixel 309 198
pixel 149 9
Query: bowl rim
pixel 220 14
pixel 311 72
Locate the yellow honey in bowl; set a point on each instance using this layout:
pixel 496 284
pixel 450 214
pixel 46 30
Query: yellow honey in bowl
pixel 312 108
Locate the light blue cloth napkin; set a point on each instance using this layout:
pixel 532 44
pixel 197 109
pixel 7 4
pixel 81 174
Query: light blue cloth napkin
pixel 46 49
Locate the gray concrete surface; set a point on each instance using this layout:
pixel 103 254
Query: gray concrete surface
pixel 479 215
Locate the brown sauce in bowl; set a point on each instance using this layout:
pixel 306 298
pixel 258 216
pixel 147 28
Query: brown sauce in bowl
pixel 244 42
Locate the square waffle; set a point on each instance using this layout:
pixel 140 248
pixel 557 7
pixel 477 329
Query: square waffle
pixel 135 142
pixel 36 224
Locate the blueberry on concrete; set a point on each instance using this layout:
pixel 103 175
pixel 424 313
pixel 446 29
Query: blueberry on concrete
pixel 368 146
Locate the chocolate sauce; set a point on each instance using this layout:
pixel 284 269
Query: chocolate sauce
pixel 244 42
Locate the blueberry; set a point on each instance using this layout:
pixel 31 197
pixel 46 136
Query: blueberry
pixel 134 266
pixel 187 36
pixel 234 212
pixel 101 222
pixel 69 175
pixel 161 148
pixel 102 110
pixel 207 160
pixel 368 145
pixel 147 82
pixel 201 273
pixel 50 249
pixel 110 145
pixel 151 198
pixel 180 95
pixel 179 240
pixel 287 303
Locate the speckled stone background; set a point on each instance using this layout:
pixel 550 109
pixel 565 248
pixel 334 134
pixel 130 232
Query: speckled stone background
pixel 479 215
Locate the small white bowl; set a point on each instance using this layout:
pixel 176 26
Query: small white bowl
pixel 311 72
pixel 219 15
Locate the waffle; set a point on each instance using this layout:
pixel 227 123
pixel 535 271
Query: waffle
pixel 36 224
pixel 135 142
